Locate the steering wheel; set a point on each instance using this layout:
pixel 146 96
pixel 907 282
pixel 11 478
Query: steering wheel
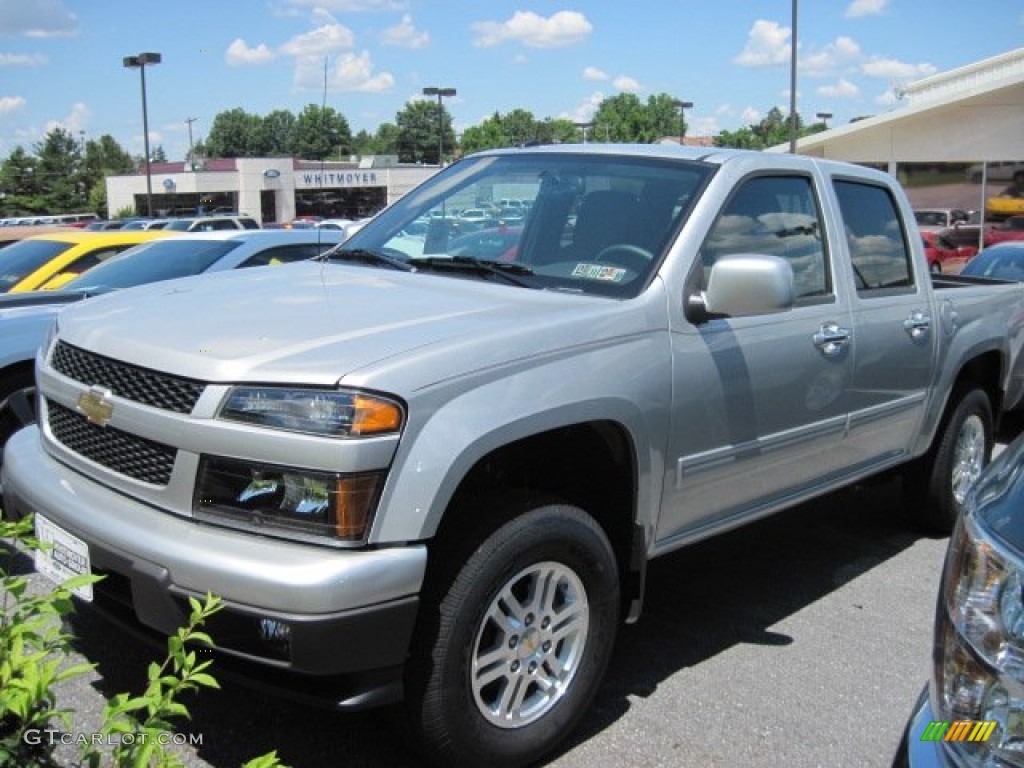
pixel 632 257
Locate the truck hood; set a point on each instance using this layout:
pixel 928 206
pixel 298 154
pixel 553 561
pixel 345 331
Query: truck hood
pixel 312 323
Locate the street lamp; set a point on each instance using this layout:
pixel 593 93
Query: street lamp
pixel 583 127
pixel 824 117
pixel 683 106
pixel 440 93
pixel 141 61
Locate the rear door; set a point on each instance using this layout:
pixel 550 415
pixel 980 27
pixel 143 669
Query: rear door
pixel 895 343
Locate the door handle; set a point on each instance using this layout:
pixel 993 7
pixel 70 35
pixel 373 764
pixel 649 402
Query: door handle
pixel 917 325
pixel 832 338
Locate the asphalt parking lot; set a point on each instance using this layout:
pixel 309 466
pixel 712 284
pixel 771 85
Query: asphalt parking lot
pixel 801 640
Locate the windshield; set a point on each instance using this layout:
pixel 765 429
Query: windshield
pixel 585 223
pixel 22 259
pixel 151 262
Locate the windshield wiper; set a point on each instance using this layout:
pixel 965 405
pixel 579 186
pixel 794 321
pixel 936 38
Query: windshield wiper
pixel 505 270
pixel 365 256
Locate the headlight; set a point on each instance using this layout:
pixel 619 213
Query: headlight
pixel 327 412
pixel 299 503
pixel 979 664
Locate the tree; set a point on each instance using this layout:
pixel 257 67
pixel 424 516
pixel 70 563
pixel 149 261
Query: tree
pixel 771 131
pixel 234 133
pixel 277 134
pixel 321 132
pixel 103 157
pixel 418 134
pixel 20 184
pixel 59 171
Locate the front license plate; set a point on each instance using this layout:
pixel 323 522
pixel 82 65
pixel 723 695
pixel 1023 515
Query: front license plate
pixel 66 557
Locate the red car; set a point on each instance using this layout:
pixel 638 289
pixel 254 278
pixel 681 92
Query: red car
pixel 1011 229
pixel 943 255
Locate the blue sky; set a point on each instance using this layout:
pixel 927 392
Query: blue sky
pixel 61 60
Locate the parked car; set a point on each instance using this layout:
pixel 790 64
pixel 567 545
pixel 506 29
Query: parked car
pixel 943 254
pixel 936 219
pixel 210 223
pixel 26 317
pixel 999 171
pixel 1011 229
pixel 51 260
pixel 1009 202
pixel 1004 261
pixel 971 713
pixel 499 243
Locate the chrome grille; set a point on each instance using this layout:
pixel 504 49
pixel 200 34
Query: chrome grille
pixel 142 385
pixel 136 457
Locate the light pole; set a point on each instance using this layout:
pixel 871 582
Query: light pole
pixel 683 106
pixel 440 93
pixel 583 127
pixel 141 61
pixel 792 82
pixel 191 150
pixel 824 117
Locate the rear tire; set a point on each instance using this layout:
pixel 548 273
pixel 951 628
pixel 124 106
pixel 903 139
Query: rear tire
pixel 514 638
pixel 936 486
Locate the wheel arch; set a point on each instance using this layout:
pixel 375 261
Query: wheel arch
pixel 591 465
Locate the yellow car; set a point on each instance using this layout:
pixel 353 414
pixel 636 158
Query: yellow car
pixel 1009 202
pixel 49 261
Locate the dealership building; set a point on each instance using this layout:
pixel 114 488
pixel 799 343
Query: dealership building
pixel 274 189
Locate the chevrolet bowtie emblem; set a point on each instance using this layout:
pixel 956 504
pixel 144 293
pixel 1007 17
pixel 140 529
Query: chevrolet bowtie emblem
pixel 95 406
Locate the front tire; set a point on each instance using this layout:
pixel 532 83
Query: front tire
pixel 513 639
pixel 936 486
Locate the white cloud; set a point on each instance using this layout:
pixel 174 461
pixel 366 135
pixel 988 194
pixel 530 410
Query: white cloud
pixel 768 44
pixel 22 59
pixel 593 73
pixel 751 116
pixel 38 19
pixel 584 112
pixel 351 72
pixel 77 120
pixel 355 73
pixel 239 54
pixel 841 89
pixel 893 68
pixel 405 35
pixel 860 8
pixel 321 41
pixel 559 30
pixel 624 83
pixel 836 55
pixel 11 104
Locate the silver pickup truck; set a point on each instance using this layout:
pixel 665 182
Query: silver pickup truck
pixel 433 466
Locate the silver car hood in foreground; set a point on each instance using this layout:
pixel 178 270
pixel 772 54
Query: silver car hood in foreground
pixel 314 323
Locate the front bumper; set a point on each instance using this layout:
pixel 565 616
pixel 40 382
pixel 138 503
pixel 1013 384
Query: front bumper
pixel 345 611
pixel 915 753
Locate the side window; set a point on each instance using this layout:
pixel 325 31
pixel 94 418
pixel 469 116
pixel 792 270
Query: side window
pixel 779 216
pixel 90 260
pixel 878 245
pixel 284 254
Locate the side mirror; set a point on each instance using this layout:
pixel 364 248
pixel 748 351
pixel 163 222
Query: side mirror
pixel 743 284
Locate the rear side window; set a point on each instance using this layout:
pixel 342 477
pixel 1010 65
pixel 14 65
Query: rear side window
pixel 877 241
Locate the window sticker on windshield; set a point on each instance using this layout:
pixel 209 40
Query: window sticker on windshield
pixel 599 272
